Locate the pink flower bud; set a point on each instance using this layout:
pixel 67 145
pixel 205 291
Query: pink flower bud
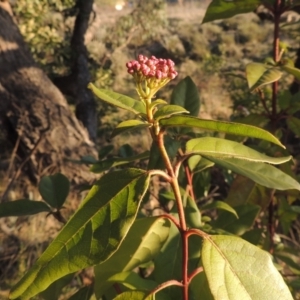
pixel 158 74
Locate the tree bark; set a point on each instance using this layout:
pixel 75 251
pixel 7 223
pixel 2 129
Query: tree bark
pixel 85 103
pixel 34 112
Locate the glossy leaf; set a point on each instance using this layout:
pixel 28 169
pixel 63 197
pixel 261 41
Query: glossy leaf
pixel 220 205
pixel 84 293
pixel 92 234
pixel 22 207
pixel 119 100
pixel 221 126
pixel 54 189
pixel 222 148
pixel 143 241
pixel 222 9
pixel 259 75
pixel 168 110
pixel 247 214
pixel 261 173
pixel 106 164
pixel 186 94
pixel 129 125
pixel 294 125
pixel 235 270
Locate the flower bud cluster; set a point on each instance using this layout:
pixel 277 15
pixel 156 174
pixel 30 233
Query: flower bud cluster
pixel 152 68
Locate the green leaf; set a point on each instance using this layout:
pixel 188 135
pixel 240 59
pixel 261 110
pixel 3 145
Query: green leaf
pixel 253 236
pixel 54 189
pixel 168 110
pixel 133 281
pixel 168 264
pixel 244 190
pixel 104 151
pixel 185 94
pixel 106 164
pixel 199 289
pixel 119 100
pixel 222 9
pixel 129 125
pixel 143 241
pixel 155 160
pixel 54 290
pixel 84 293
pixel 259 75
pixel 220 205
pixel 293 124
pixel 192 213
pixel 235 270
pixel 92 234
pixel 197 163
pixel 261 173
pixel 221 126
pixel 22 207
pixel 247 214
pixel 220 148
pixel 293 71
pixel 133 295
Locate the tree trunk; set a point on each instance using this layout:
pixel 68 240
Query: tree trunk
pixel 34 113
pixel 75 84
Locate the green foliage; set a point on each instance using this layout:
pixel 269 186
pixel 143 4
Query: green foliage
pixel 188 251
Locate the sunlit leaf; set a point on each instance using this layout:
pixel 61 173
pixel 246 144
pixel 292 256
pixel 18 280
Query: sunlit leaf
pixel 168 110
pixel 106 164
pixel 186 94
pixel 54 189
pixel 261 173
pixel 293 71
pixel 129 125
pixel 92 234
pixel 197 163
pixel 259 75
pixel 119 100
pixel 136 295
pixel 143 241
pixel 235 270
pixel 222 148
pixel 221 126
pixel 222 9
pixel 247 214
pixel 22 207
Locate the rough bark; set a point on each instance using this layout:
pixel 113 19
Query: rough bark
pixel 34 112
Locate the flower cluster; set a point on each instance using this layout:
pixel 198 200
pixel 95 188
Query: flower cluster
pixel 155 72
pixel 152 67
